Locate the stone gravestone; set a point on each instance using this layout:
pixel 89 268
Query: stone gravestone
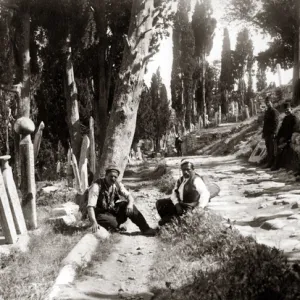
pixel 69 169
pixel 237 112
pixel 6 218
pixel 83 162
pixel 92 147
pixel 76 172
pixel 37 140
pixel 24 127
pixel 12 194
pixel 247 112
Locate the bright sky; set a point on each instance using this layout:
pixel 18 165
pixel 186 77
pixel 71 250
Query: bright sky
pixel 164 58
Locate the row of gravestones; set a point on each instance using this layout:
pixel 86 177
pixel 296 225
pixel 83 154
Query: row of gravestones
pixel 15 219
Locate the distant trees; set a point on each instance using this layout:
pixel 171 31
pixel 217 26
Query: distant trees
pixel 243 61
pixel 261 78
pixel 203 26
pixel 278 18
pixel 183 65
pixel 227 75
pixel 192 40
pixel 154 112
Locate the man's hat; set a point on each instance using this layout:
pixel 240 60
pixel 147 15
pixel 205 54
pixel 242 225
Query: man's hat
pixel 111 168
pixel 185 161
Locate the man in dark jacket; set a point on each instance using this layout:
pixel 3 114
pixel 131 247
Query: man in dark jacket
pixel 271 121
pixel 107 209
pixel 284 135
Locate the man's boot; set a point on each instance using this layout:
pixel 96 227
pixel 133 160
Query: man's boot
pixel 150 232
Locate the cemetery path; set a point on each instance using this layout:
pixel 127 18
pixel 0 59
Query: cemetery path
pixel 257 202
pixel 125 274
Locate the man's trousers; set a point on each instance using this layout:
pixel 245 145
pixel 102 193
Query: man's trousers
pixel 111 220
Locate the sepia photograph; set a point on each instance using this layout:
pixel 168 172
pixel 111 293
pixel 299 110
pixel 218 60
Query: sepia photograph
pixel 150 149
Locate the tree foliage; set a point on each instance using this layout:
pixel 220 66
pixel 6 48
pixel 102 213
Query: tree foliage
pixel 243 62
pixel 227 71
pixel 204 26
pixel 183 64
pixel 261 78
pixel 278 18
pixel 154 111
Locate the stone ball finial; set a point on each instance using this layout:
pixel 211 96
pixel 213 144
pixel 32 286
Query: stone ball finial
pixel 24 126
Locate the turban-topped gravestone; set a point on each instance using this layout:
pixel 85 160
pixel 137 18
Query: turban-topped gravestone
pixel 24 126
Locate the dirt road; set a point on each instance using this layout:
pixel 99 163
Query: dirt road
pixel 258 202
pixel 124 275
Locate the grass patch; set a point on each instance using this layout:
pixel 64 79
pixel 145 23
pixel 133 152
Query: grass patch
pixel 31 274
pixel 201 258
pixel 165 183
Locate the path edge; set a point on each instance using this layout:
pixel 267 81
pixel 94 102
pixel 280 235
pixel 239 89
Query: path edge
pixel 80 255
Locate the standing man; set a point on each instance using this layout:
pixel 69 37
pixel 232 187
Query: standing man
pixel 271 121
pixel 284 135
pixel 178 142
pixel 107 209
pixel 189 193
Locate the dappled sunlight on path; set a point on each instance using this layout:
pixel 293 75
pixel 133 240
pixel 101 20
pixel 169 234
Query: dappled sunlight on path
pixel 256 201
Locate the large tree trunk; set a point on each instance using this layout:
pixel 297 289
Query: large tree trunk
pixel 22 46
pixel 203 88
pixel 72 102
pixel 24 98
pixel 122 122
pixel 102 97
pixel 296 50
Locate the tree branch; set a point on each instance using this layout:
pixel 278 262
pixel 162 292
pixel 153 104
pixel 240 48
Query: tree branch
pixel 126 41
pixel 151 54
pixel 10 6
pixel 11 88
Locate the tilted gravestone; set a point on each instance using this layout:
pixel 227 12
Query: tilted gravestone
pixel 6 218
pixel 12 194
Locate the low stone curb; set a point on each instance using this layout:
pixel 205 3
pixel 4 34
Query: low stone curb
pixel 78 257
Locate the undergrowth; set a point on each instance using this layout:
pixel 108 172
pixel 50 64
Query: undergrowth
pixel 229 266
pixel 30 274
pixel 165 183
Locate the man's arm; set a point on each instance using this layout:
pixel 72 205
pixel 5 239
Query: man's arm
pixel 203 192
pixel 123 192
pixel 175 194
pixel 275 121
pixel 92 202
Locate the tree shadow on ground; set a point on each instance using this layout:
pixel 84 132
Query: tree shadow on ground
pixel 120 296
pixel 70 229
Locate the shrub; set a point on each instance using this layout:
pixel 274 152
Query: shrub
pixel 166 183
pixel 239 267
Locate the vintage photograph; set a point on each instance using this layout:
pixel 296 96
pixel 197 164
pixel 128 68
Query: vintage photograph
pixel 150 149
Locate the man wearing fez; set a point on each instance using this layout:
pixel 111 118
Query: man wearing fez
pixel 284 135
pixel 189 193
pixel 106 208
pixel 270 127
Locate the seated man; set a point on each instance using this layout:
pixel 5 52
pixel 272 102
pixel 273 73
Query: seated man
pixel 107 209
pixel 189 193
